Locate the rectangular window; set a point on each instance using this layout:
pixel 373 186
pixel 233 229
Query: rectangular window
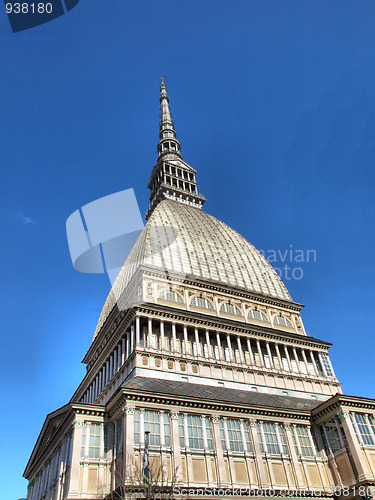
pixel 333 437
pixel 208 433
pixel 270 437
pixel 271 444
pixel 83 440
pixel 94 441
pixel 181 431
pixel 326 364
pixel 257 359
pixel 303 436
pixel 276 362
pixel 363 428
pixel 234 435
pixel 137 428
pixel 167 431
pixel 285 364
pixel 152 424
pixel 267 361
pixel 195 432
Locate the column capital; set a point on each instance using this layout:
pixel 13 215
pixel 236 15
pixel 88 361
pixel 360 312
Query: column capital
pixel 343 414
pixel 252 422
pixel 215 419
pixel 128 409
pixel 174 414
pixel 78 423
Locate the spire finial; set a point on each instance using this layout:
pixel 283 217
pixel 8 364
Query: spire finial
pixel 171 177
pixel 168 144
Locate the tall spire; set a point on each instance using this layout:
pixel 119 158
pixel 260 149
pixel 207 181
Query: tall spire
pixel 171 178
pixel 168 144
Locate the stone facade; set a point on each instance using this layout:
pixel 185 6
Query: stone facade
pixel 200 343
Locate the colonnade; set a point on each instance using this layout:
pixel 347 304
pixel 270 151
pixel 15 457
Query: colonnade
pixel 196 342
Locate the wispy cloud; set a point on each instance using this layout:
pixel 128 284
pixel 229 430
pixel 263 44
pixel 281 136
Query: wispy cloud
pixel 23 219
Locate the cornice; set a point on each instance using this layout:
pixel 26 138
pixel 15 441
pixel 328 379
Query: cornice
pixel 131 396
pixel 342 400
pixel 228 325
pixel 222 288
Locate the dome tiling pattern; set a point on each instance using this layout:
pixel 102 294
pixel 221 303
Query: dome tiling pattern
pixel 184 240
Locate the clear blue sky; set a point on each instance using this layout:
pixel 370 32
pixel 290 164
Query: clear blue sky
pixel 274 105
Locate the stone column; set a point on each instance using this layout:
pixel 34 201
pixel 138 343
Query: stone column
pixel 174 338
pixel 110 452
pixel 162 342
pixel 219 348
pixel 360 462
pixel 259 464
pixel 259 349
pixel 220 467
pixel 128 441
pixel 229 348
pixel 135 331
pixel 296 359
pixel 300 483
pixel 252 361
pixel 101 455
pixel 110 366
pixel 176 452
pixel 149 332
pixel 305 360
pixel 75 459
pixel 242 358
pixel 186 340
pixel 197 343
pixel 119 348
pixel 229 452
pixel 107 378
pixel 123 350
pixel 279 356
pixel 314 363
pixel 269 354
pixel 208 344
pixel 288 358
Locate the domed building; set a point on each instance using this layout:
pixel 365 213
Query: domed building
pixel 200 366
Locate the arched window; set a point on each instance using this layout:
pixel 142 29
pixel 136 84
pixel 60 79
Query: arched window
pixel 258 315
pixel 280 320
pixel 201 302
pixel 171 296
pixel 230 309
